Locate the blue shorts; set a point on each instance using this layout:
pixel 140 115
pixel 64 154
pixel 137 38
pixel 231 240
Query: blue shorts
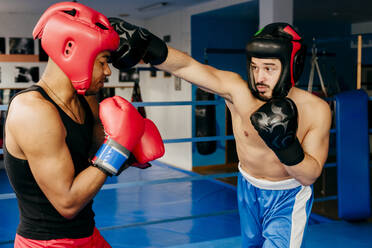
pixel 273 214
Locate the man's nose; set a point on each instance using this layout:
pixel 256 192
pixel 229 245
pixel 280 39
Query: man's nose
pixel 107 71
pixel 260 76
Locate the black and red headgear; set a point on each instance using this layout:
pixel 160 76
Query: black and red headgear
pixel 278 41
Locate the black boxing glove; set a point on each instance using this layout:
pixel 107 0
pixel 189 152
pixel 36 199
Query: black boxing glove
pixel 276 123
pixel 136 43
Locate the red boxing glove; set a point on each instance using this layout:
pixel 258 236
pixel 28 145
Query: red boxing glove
pixel 124 127
pixel 148 148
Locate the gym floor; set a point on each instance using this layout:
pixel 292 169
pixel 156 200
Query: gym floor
pixel 167 207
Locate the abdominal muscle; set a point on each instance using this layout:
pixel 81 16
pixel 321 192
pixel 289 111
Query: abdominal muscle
pixel 255 157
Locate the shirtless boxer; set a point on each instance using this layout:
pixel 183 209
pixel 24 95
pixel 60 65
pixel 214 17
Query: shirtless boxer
pixel 281 132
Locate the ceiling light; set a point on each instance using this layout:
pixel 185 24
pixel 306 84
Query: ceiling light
pixel 152 6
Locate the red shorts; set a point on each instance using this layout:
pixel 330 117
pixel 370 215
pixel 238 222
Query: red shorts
pixel 93 241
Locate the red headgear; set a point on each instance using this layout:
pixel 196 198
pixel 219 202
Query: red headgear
pixel 72 35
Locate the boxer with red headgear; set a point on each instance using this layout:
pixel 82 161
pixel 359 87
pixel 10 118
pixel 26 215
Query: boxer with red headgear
pixel 72 35
pixel 281 131
pixel 53 130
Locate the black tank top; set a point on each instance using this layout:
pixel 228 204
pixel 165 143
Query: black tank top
pixel 38 218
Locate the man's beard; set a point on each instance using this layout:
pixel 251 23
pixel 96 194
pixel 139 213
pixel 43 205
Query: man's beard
pixel 261 95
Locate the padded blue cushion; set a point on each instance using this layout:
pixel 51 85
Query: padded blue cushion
pixel 353 155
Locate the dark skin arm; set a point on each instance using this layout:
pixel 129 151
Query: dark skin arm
pixel 46 146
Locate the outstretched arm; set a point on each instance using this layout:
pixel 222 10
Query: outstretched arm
pixel 204 76
pixel 137 44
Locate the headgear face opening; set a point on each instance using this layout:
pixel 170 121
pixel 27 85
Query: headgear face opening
pixel 73 35
pixel 277 41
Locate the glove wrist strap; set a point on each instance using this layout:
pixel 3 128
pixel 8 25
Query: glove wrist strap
pixel 111 156
pixel 157 51
pixel 291 155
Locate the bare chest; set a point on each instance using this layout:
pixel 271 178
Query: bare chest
pixel 255 156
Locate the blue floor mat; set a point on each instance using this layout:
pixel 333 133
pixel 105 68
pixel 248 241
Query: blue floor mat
pixel 167 207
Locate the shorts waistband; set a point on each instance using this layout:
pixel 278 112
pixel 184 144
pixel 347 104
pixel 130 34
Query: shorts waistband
pixel 270 185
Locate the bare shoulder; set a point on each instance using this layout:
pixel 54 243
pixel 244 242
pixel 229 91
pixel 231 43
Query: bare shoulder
pixel 238 88
pixel 30 106
pixel 234 79
pixel 311 105
pixel 32 119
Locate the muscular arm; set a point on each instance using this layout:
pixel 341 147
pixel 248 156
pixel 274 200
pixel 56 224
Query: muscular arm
pixel 315 145
pixel 206 77
pixel 151 49
pixel 36 128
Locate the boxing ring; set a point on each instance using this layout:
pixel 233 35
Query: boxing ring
pixel 164 206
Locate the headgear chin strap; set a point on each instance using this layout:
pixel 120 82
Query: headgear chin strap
pixel 72 35
pixel 277 41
